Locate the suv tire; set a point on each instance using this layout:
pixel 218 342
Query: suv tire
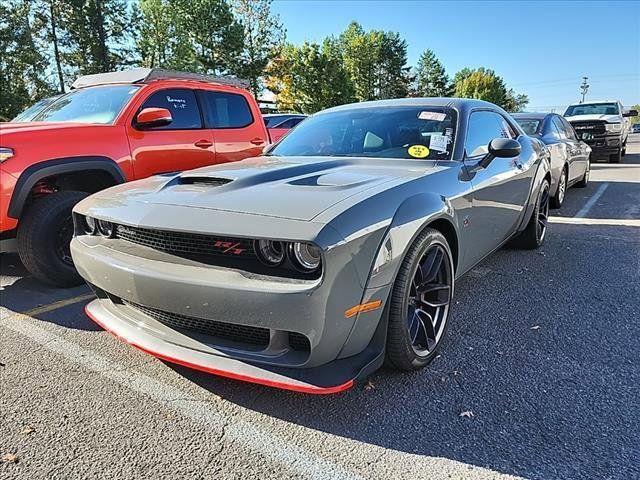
pixel 44 233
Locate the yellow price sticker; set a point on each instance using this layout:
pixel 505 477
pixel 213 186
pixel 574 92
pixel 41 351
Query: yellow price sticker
pixel 418 151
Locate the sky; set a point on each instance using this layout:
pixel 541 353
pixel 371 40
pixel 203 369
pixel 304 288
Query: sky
pixel 542 49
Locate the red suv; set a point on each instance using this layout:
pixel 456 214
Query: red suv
pixel 112 128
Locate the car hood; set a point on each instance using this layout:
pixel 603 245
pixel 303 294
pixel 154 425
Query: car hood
pixel 297 188
pixel 588 118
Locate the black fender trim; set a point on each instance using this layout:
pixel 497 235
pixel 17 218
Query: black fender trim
pixel 36 172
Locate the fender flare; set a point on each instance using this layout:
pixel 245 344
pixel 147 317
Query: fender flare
pixel 36 172
pixel 542 172
pixel 410 219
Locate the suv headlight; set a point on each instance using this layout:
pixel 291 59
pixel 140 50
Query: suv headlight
pixel 5 154
pixel 613 127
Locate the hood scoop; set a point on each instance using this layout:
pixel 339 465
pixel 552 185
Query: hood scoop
pixel 205 181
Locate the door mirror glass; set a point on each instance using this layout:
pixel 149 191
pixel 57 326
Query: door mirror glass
pixel 153 117
pixel 630 113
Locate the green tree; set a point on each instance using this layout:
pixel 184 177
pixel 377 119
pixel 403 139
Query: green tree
pixel 193 35
pixel 431 78
pixel 95 35
pixel 310 77
pixel 482 84
pixel 22 64
pixel 263 38
pixel 515 102
pixel 376 62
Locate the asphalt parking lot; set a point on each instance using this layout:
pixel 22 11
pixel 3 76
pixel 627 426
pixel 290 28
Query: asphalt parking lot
pixel 539 378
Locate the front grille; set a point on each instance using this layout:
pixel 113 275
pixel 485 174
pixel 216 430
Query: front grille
pixel 192 245
pixel 228 331
pixel 593 127
pixel 231 252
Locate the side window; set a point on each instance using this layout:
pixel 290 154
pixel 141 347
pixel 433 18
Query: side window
pixel 182 104
pixel 226 110
pixel 483 127
pixel 292 122
pixel 569 129
pixel 560 127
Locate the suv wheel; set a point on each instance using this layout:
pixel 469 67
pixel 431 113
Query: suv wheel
pixel 44 234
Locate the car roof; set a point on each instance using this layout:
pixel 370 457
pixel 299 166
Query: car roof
pixel 282 115
pixel 457 103
pixel 532 115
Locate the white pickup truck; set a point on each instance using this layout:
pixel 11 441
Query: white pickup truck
pixel 604 126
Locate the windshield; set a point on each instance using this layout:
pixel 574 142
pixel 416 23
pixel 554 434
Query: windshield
pixel 89 105
pixel 386 132
pixel 529 125
pixel 33 110
pixel 592 109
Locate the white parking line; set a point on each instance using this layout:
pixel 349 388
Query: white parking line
pixel 587 206
pixel 238 431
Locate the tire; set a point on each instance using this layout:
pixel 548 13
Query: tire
pixel 44 233
pixel 558 198
pixel 534 234
pixel 584 181
pixel 615 157
pixel 410 311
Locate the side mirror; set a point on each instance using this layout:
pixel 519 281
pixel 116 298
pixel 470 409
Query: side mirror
pixel 503 148
pixel 153 117
pixel 630 113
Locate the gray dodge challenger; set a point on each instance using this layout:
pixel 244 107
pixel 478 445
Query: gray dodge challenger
pixel 339 247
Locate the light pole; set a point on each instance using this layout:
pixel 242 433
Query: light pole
pixel 584 87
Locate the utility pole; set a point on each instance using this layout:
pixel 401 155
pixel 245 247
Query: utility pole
pixel 584 87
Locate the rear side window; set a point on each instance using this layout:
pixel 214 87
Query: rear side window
pixel 226 110
pixel 292 122
pixel 182 104
pixel 483 127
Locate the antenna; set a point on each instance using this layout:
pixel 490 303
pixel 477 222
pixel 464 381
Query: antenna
pixel 584 87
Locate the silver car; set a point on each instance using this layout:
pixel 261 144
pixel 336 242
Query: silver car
pixel 570 157
pixel 303 268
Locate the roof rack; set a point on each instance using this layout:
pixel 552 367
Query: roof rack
pixel 146 75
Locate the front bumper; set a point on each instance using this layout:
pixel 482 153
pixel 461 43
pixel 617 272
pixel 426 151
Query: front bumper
pixel 133 280
pixel 604 144
pixel 334 377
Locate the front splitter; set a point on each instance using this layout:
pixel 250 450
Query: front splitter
pixel 332 377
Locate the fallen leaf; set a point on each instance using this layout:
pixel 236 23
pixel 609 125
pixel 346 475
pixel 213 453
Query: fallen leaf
pixel 467 414
pixel 10 458
pixel 27 430
pixel 369 386
pixel 535 327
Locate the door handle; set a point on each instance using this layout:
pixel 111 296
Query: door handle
pixel 203 144
pixel 257 141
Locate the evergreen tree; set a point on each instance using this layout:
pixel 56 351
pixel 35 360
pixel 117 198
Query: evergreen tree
pixel 263 37
pixel 431 78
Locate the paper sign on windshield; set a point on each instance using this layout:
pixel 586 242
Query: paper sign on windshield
pixel 438 117
pixel 439 143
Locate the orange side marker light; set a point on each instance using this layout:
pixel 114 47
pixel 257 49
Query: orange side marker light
pixel 363 307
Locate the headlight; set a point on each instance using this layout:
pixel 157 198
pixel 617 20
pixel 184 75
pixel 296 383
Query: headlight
pixel 90 225
pixel 105 228
pixel 613 127
pixel 5 154
pixel 305 256
pixel 269 252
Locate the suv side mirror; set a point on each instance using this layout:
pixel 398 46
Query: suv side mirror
pixel 153 117
pixel 630 113
pixel 503 148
